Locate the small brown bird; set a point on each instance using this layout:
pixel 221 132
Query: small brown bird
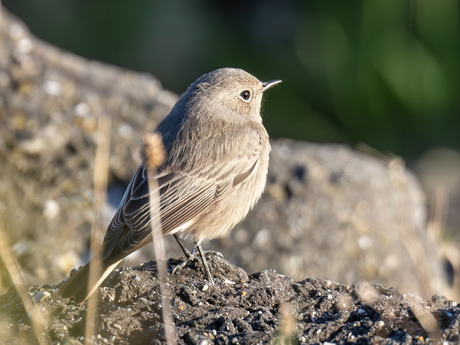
pixel 214 172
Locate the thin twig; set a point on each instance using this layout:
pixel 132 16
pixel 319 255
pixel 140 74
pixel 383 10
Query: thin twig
pixel 155 154
pixel 100 175
pixel 14 270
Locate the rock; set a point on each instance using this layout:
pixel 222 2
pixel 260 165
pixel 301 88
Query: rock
pixel 40 296
pixel 263 307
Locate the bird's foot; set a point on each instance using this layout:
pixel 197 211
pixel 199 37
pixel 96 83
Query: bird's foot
pixel 194 257
pixel 191 258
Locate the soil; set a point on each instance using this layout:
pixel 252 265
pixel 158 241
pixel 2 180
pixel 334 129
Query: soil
pixel 241 308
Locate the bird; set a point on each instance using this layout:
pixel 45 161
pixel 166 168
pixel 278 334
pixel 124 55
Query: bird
pixel 215 170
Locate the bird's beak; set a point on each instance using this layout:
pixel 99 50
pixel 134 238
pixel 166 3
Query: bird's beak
pixel 269 84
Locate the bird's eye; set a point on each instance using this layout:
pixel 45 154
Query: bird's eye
pixel 245 95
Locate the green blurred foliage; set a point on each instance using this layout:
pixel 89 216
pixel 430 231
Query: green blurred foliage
pixel 382 72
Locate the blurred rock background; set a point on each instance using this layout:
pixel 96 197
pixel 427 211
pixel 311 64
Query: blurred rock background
pixel 384 73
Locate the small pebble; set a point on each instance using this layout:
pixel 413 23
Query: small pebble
pixel 41 295
pixel 72 341
pixel 379 324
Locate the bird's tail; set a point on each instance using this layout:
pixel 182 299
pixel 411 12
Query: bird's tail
pixel 80 285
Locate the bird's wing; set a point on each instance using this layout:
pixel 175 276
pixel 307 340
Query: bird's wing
pixel 188 184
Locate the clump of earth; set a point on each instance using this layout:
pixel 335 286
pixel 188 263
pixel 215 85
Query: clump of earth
pixel 240 308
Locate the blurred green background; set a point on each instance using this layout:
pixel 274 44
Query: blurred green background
pixel 383 72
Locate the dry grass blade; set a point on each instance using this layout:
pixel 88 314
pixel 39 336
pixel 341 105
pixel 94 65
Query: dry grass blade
pixel 407 234
pixel 441 204
pixel 101 170
pixel 286 331
pixel 154 157
pixel 14 270
pixel 416 252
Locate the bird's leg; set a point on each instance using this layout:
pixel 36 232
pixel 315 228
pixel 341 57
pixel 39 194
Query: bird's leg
pixel 191 256
pixel 185 250
pixel 205 263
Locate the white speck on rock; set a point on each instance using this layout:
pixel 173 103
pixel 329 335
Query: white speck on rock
pixel 52 87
